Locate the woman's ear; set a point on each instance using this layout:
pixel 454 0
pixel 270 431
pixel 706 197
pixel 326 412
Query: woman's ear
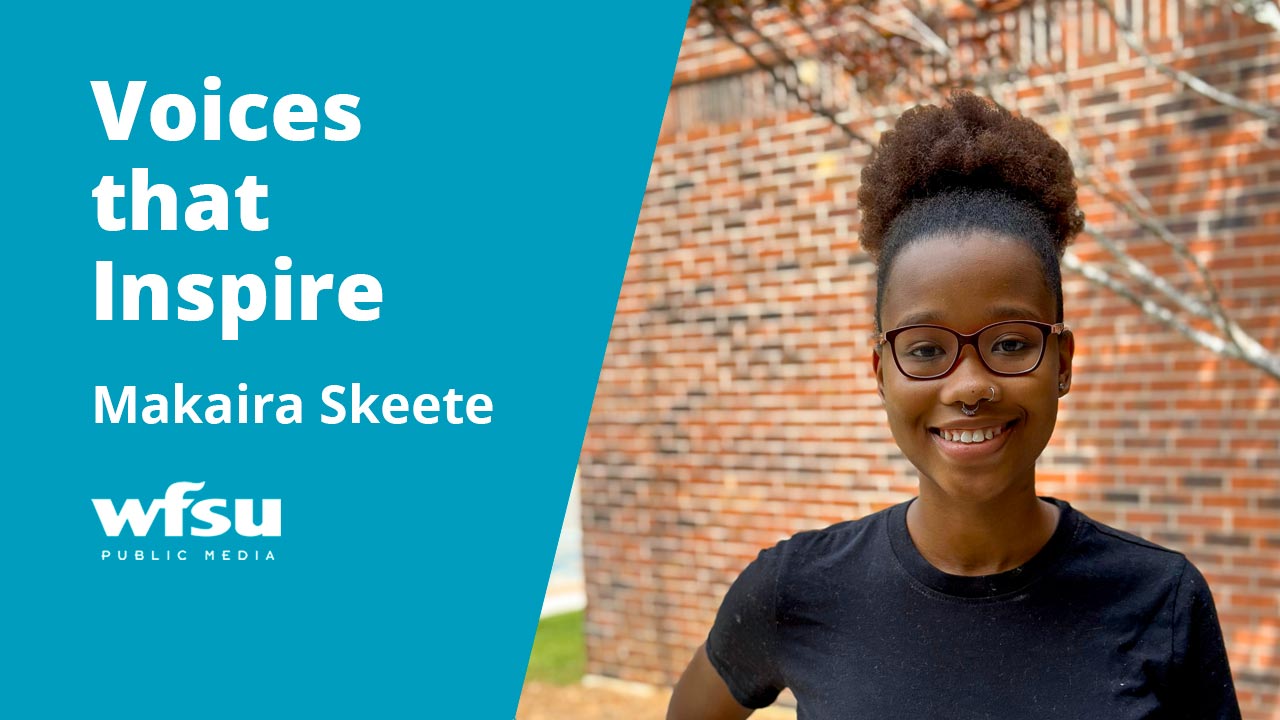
pixel 1066 351
pixel 879 371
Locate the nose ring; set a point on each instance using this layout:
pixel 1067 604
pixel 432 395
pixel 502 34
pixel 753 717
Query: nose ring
pixel 971 411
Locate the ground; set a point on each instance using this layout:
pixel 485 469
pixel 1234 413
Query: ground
pixel 556 688
pixel 541 701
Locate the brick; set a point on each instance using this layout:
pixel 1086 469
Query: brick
pixel 1123 115
pixel 1122 497
pixel 1227 540
pixel 1208 122
pixel 1179 105
pixel 1101 98
pixel 1202 481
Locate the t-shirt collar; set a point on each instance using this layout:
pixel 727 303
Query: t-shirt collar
pixel 980 586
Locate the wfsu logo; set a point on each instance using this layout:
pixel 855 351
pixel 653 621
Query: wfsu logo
pixel 210 516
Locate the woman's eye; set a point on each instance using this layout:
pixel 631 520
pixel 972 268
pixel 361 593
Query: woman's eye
pixel 925 352
pixel 1010 345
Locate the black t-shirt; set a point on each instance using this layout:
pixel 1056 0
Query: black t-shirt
pixel 1099 624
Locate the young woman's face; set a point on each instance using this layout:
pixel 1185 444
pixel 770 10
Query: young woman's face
pixel 967 284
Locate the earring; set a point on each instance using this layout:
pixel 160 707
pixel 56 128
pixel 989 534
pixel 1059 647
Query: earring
pixel 1062 386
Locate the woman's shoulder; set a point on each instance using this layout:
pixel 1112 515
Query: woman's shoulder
pixel 839 547
pixel 1127 553
pixel 840 534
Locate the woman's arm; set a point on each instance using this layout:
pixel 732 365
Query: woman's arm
pixel 739 666
pixel 702 695
pixel 1202 674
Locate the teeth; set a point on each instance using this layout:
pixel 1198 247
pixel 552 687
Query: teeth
pixel 971 436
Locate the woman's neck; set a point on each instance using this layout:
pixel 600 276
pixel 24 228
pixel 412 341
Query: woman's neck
pixel 979 538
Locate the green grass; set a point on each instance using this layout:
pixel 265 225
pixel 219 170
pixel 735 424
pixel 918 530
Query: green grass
pixel 559 654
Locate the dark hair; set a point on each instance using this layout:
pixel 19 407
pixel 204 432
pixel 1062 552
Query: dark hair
pixel 968 166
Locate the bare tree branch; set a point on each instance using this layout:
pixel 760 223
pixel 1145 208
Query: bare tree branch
pixel 1232 332
pixel 1233 341
pixel 779 76
pixel 1191 82
pixel 1140 211
pixel 1144 216
pixel 928 37
pixel 1260 358
pixel 1263 11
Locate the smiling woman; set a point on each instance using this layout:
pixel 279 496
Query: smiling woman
pixel 978 598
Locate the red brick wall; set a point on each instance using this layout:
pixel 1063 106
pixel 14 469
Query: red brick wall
pixel 736 404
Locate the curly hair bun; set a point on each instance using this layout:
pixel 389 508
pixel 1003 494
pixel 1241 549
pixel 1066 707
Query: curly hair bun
pixel 970 144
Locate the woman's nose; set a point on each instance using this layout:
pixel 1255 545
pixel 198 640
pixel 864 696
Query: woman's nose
pixel 968 381
pixel 970 362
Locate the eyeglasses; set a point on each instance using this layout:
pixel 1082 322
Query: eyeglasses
pixel 928 352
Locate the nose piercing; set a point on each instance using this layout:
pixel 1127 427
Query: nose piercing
pixel 971 411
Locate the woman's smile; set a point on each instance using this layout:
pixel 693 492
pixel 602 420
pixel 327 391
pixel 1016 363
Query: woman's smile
pixel 962 444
